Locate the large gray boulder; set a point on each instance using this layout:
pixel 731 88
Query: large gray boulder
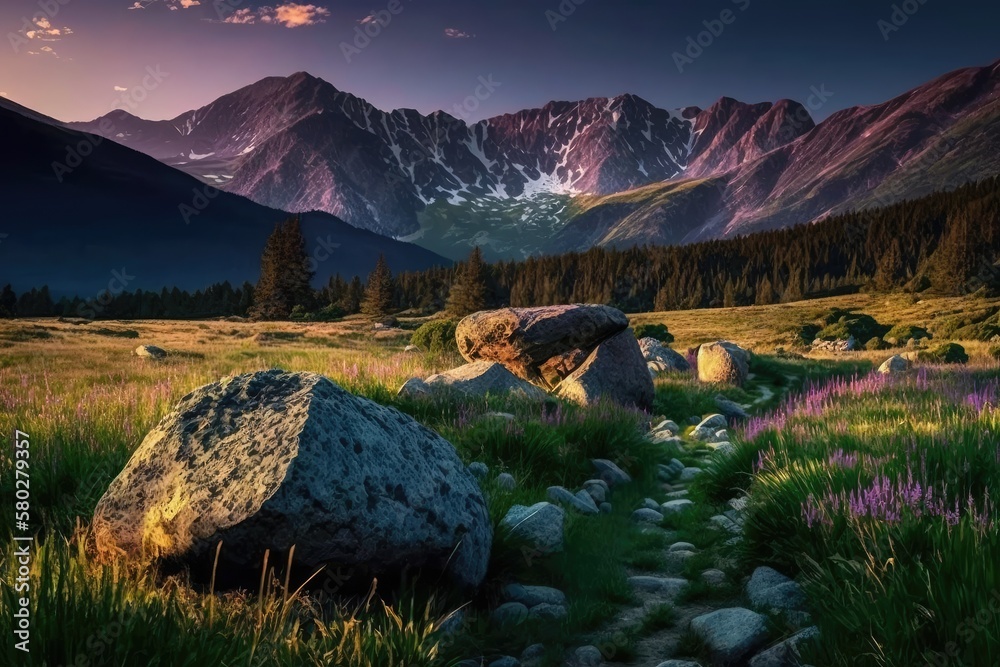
pixel 732 634
pixel 723 362
pixel 653 351
pixel 479 378
pixel 523 339
pixel 615 370
pixel 272 459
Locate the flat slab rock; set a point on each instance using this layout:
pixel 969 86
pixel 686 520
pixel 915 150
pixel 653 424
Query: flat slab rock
pixel 480 378
pixel 523 339
pixel 272 459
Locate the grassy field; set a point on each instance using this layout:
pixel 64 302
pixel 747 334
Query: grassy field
pixel 86 403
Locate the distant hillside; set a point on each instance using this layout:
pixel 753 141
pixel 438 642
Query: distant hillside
pixel 77 208
pixel 945 243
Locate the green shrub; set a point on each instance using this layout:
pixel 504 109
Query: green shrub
pixel 657 331
pixel 437 336
pixel 899 334
pixel 839 324
pixel 876 343
pixel 947 353
pixel 994 352
pixel 979 331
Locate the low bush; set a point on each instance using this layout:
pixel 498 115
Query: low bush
pixel 947 353
pixel 876 344
pixel 899 334
pixel 657 331
pixel 437 336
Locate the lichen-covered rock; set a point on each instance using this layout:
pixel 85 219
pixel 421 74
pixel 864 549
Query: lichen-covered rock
pixel 481 378
pixel 271 459
pixel 653 351
pixel 894 364
pixel 541 525
pixel 615 370
pixel 522 339
pixel 149 352
pixel 730 635
pixel 723 362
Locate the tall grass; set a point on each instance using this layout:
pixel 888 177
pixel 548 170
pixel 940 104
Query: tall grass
pixel 879 492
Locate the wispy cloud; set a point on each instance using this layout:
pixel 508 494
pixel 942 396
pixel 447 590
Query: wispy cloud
pixel 44 31
pixel 290 15
pixel 455 33
pixel 119 89
pixel 172 5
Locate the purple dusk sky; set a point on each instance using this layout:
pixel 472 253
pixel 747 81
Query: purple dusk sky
pixel 74 59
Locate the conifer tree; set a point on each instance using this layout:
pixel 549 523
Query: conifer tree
pixel 285 274
pixel 468 292
pixel 379 291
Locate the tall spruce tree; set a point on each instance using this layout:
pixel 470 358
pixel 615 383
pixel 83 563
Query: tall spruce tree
pixel 468 292
pixel 285 274
pixel 379 291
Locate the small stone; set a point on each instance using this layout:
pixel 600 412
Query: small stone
pixel 506 481
pixel 683 493
pixel 547 612
pixel 689 474
pixel 610 472
pixel 541 525
pixel 785 653
pixel 651 504
pixel 678 663
pixel 479 470
pixel 506 661
pixel 509 613
pixel 650 584
pixel 682 546
pixel 714 422
pixel 532 655
pixel 731 634
pixel 676 506
pixel 738 504
pixel 588 656
pixel 605 508
pixel 596 492
pixel 646 515
pixel 714 578
pixel 531 596
pixel 727 524
pixel 724 448
pixel 668 426
pixel 150 352
pixel 564 497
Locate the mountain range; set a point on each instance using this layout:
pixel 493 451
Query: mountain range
pixel 569 175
